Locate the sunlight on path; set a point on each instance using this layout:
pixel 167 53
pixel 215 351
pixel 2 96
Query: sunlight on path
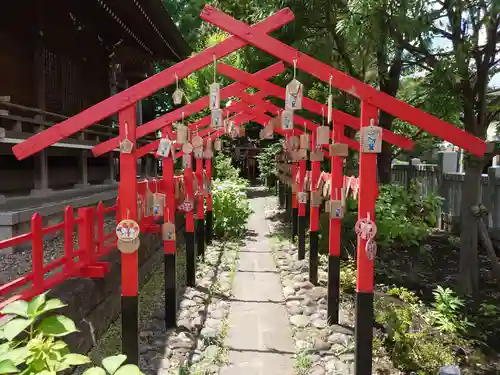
pixel 259 340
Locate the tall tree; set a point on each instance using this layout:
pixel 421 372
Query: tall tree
pixel 463 64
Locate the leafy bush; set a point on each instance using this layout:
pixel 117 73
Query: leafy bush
pixel 403 217
pixel 420 339
pixel 30 342
pixel 224 169
pixel 231 209
pixel 267 160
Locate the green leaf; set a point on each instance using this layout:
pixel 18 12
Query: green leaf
pixel 111 364
pixel 35 304
pixel 75 359
pixel 14 327
pixel 94 371
pixel 19 308
pixel 129 370
pixel 59 345
pixel 52 304
pixel 17 356
pixel 4 348
pixel 47 372
pixel 57 325
pixel 7 367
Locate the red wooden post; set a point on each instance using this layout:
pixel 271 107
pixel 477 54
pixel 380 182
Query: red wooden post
pixel 335 228
pixel 127 192
pixel 84 239
pixel 69 229
pixel 37 252
pixel 189 205
pixel 209 214
pixel 100 228
pixel 295 205
pixel 200 209
pixel 364 290
pixel 301 222
pixel 169 244
pixel 314 217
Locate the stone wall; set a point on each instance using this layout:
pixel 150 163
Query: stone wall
pixel 95 303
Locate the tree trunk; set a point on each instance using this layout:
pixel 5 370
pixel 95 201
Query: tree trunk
pixel 384 160
pixel 471 196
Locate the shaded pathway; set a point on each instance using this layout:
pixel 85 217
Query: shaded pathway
pixel 259 339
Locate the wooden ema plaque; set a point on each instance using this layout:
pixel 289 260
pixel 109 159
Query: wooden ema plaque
pixel 339 149
pixel 304 141
pixel 168 231
pixel 335 208
pixel 181 134
pixel 316 155
pixel 128 247
pixel 302 197
pixel 316 198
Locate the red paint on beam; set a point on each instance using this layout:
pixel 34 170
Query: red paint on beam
pixel 309 104
pixel 342 81
pixel 188 109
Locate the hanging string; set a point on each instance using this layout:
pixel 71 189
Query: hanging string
pixel 215 68
pixel 126 130
pixel 176 82
pixel 330 85
pixel 294 68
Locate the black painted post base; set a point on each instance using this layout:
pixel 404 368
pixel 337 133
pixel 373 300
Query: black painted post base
pixel 288 205
pixel 130 329
pixel 302 236
pixel 313 257
pixel 170 290
pixel 209 221
pixel 281 194
pixel 295 215
pixel 333 289
pixel 364 334
pixel 200 237
pixel 190 259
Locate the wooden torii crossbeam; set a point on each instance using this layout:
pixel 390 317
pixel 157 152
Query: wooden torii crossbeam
pixel 256 35
pixel 188 109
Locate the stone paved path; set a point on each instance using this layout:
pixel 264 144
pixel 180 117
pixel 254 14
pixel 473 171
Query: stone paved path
pixel 259 339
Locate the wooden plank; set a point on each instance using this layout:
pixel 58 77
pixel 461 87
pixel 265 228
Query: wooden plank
pixel 142 90
pixel 187 109
pixel 342 81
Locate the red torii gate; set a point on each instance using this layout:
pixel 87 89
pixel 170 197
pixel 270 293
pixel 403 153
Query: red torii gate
pixel 372 101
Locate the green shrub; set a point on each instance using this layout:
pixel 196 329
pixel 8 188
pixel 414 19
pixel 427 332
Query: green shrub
pixel 30 342
pixel 231 209
pixel 224 169
pixel 403 217
pixel 421 339
pixel 267 160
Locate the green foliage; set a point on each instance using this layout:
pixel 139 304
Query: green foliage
pixel 224 169
pixel 348 276
pixel 231 209
pixel 267 159
pixel 30 342
pixel 404 217
pixel 446 316
pixel 416 339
